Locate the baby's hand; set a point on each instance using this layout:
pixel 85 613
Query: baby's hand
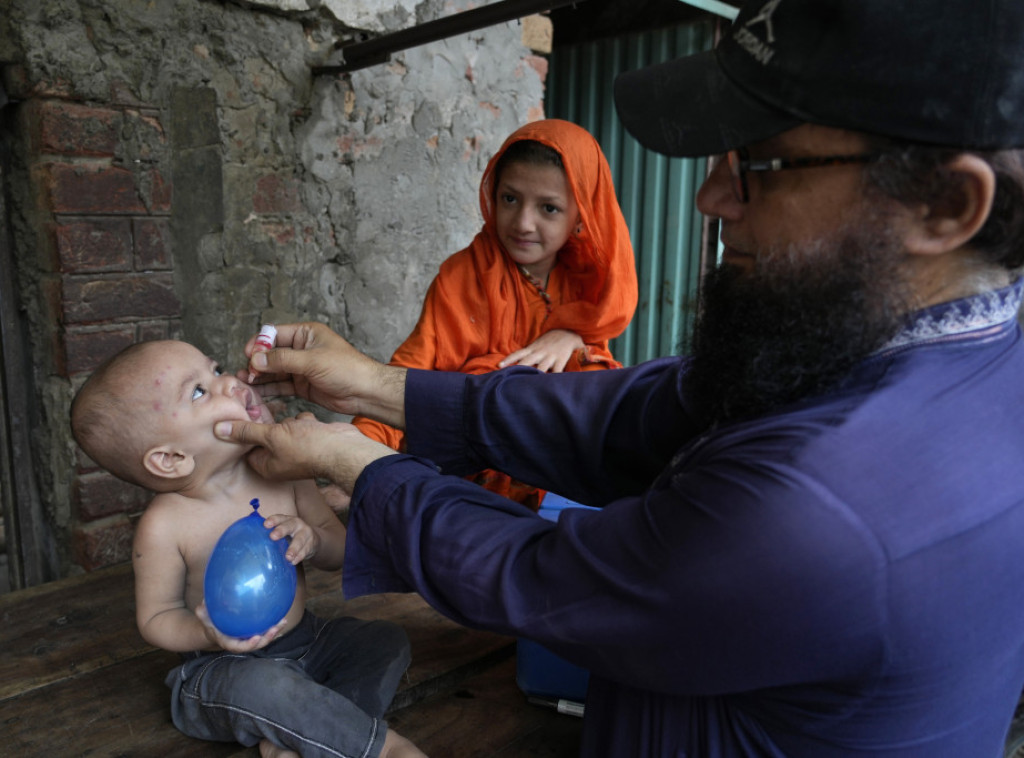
pixel 235 644
pixel 304 539
pixel 549 352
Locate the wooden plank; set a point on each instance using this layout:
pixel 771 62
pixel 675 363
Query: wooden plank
pixel 76 678
pixel 443 651
pixel 67 628
pixel 487 715
pixel 121 710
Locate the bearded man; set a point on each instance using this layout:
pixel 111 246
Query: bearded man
pixel 808 542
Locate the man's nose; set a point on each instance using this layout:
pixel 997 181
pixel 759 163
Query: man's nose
pixel 716 198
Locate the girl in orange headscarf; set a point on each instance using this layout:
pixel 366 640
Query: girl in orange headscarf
pixel 547 282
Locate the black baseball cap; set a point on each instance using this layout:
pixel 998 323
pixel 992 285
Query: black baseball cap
pixel 943 72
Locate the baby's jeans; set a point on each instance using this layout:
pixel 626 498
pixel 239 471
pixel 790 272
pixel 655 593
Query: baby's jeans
pixel 320 690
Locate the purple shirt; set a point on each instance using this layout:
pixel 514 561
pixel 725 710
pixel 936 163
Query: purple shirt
pixel 844 577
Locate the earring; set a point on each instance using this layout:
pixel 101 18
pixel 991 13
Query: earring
pixel 579 229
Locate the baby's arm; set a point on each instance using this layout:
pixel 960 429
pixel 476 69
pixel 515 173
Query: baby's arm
pixel 316 533
pixel 549 352
pixel 163 617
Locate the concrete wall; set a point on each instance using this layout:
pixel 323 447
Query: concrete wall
pixel 178 171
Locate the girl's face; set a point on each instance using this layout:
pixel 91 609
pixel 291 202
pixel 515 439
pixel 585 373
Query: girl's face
pixel 535 212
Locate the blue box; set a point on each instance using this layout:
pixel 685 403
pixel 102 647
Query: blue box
pixel 540 672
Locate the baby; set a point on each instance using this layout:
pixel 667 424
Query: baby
pixel 306 686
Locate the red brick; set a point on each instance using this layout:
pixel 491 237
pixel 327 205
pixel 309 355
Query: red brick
pixel 20 86
pixel 98 545
pixel 96 244
pixel 152 244
pixel 87 350
pixel 149 138
pixel 136 296
pixel 538 63
pixel 99 494
pixel 158 330
pixel 83 463
pixel 74 129
pixel 534 113
pixel 282 234
pixel 91 188
pixel 159 192
pixel 275 194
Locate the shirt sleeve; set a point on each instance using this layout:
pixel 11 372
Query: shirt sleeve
pixel 725 570
pixel 701 585
pixel 588 436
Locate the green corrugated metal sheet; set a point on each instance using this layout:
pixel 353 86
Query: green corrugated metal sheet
pixel 656 193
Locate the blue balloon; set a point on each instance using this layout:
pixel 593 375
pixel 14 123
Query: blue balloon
pixel 249 584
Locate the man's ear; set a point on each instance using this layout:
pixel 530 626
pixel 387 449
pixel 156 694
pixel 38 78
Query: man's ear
pixel 165 462
pixel 950 222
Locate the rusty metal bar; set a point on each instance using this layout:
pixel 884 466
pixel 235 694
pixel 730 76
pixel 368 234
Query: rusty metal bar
pixel 357 55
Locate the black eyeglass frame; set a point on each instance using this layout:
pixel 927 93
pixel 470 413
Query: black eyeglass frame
pixel 740 165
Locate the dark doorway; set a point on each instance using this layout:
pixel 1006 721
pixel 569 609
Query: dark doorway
pixel 27 555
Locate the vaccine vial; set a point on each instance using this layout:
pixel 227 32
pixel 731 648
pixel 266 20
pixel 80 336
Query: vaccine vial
pixel 267 338
pixel 264 341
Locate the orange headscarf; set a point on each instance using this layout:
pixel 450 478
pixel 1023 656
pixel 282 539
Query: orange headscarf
pixel 480 308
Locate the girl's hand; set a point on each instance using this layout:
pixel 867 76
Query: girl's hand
pixel 549 352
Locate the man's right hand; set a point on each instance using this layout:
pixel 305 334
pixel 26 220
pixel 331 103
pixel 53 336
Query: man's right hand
pixel 312 362
pixel 304 448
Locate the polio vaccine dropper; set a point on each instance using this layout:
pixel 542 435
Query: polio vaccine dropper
pixel 265 340
pixel 249 584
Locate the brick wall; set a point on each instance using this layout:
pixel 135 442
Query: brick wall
pixel 295 197
pixel 102 215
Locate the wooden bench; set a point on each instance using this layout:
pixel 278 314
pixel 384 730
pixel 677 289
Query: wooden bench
pixel 76 678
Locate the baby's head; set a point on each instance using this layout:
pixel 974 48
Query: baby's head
pixel 147 414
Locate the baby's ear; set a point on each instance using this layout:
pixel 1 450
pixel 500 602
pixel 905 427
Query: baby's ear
pixel 165 462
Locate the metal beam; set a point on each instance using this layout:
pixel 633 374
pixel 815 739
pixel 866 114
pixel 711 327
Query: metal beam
pixel 714 6
pixel 356 55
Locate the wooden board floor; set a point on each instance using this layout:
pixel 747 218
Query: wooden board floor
pixel 76 679
pixel 488 716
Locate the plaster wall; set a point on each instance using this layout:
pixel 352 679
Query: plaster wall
pixel 273 194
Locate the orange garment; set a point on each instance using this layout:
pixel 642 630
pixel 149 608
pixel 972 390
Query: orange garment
pixel 480 307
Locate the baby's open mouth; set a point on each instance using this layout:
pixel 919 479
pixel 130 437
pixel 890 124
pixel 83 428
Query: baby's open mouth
pixel 254 405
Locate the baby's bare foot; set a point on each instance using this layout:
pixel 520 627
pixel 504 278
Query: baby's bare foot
pixel 397 746
pixel 269 750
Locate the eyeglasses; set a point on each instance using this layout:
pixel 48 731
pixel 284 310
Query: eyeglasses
pixel 740 165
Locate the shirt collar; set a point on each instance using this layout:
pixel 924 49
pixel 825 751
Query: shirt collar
pixel 957 318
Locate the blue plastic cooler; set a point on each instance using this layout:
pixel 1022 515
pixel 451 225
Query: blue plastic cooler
pixel 539 672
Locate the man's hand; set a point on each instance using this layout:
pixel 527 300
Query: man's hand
pixel 304 448
pixel 312 362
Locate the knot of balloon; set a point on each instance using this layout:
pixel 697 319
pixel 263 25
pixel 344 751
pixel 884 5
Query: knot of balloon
pixel 249 584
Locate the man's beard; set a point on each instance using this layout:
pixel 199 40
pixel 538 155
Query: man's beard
pixel 796 325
